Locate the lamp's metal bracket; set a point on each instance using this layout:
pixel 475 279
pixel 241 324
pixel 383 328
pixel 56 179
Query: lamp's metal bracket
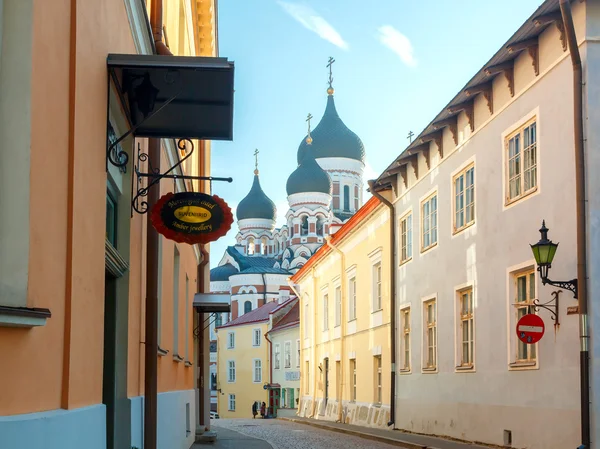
pixel 154 176
pixel 551 306
pixel 567 285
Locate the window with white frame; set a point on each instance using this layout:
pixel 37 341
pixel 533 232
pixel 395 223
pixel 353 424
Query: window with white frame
pixel 277 356
pixel 429 222
pixel 464 198
pixel 287 354
pixel 232 402
pixel 230 340
pixel 352 298
pixel 325 312
pixel 257 374
pixel 406 238
pixel 378 378
pixel 353 379
pixel 297 353
pixel 338 306
pixel 521 159
pixel 466 328
pixel 524 285
pixel 256 337
pixel 377 286
pixel 231 371
pixel 429 312
pixel 405 344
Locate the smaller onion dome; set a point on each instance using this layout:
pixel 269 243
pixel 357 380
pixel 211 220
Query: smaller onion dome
pixel 256 204
pixel 222 273
pixel 309 176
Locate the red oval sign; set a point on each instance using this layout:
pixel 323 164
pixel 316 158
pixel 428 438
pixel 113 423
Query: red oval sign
pixel 530 329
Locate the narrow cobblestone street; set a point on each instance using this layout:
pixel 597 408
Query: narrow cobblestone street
pixel 287 435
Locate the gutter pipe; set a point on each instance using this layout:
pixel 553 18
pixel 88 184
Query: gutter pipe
pixel 392 300
pixel 580 194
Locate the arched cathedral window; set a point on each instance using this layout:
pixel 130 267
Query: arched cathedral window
pixel 263 246
pixel 251 246
pixel 304 227
pixel 346 198
pixel 320 226
pixel 247 306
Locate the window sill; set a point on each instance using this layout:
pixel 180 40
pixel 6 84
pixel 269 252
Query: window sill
pixel 351 320
pixel 162 352
pixel 23 317
pixel 516 366
pixel 430 247
pixel 377 310
pixel 230 347
pixel 509 202
pixel 430 370
pixel 465 368
pixel 405 371
pixel 405 261
pixel 177 358
pixel 188 364
pixel 457 231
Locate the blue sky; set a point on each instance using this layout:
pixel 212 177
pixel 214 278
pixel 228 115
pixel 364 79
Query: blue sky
pixel 397 64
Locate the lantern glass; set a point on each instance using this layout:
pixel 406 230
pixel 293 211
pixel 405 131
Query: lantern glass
pixel 544 252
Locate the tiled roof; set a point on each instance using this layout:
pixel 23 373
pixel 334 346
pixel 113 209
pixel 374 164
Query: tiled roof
pixel 289 319
pixel 265 270
pixel 254 316
pixel 246 262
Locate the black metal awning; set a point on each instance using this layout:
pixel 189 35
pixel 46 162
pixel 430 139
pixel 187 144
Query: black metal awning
pixel 212 302
pixel 175 96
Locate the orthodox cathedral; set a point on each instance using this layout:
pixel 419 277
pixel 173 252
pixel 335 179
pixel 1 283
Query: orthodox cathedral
pixel 323 192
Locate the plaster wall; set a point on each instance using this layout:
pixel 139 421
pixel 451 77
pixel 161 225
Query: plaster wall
pixel 280 337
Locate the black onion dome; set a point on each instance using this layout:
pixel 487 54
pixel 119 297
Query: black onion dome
pixel 332 138
pixel 222 273
pixel 256 204
pixel 309 176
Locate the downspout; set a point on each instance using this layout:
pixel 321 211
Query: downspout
pixel 314 343
pixel 201 285
pixel 580 194
pixel 270 358
pixel 342 324
pixel 151 348
pixel 392 300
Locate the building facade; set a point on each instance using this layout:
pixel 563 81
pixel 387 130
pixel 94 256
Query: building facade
pixel 345 323
pixel 73 288
pixel 469 196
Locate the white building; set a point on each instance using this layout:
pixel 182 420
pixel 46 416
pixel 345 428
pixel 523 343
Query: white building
pixel 469 195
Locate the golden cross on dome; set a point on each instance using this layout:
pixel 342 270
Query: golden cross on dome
pixel 308 137
pixel 329 64
pixel 256 161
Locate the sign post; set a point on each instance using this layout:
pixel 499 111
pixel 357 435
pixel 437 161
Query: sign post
pixel 530 329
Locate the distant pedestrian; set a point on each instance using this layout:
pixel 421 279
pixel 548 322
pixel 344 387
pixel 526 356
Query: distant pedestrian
pixel 254 409
pixel 263 410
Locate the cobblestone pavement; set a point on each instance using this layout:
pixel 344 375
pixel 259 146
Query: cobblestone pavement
pixel 287 435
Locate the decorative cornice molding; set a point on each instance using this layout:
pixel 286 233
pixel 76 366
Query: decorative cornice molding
pixel 113 261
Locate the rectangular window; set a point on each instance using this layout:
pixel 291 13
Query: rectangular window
pixel 297 353
pixel 232 402
pixel 325 312
pixel 231 340
pixel 256 337
pixel 430 335
pixel 277 356
pixel 466 327
pixel 231 371
pixel 429 222
pixel 378 378
pixel 356 198
pixel 406 238
pixel 377 286
pixel 352 297
pixel 338 306
pixel 353 379
pixel 525 295
pixel 257 377
pixel 521 147
pixel 287 354
pixel 464 199
pixel 111 217
pixel 405 323
pixel 176 302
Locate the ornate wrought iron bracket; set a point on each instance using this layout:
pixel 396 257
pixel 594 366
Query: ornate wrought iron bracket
pixel 551 306
pixel 567 285
pixel 154 176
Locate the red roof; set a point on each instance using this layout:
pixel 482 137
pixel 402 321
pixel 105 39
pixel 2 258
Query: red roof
pixel 254 316
pixel 289 319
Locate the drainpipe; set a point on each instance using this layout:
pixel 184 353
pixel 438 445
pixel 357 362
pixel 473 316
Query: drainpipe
pixel 342 323
pixel 201 285
pixel 151 337
pixel 270 358
pixel 314 343
pixel 584 361
pixel 392 300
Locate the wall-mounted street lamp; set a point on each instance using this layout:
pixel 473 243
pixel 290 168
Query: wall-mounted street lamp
pixel 544 252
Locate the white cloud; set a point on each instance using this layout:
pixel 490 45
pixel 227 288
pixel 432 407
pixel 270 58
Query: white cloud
pixel 369 173
pixel 398 43
pixel 312 21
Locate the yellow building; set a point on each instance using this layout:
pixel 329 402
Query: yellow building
pixel 345 323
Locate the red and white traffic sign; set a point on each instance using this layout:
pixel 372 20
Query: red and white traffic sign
pixel 530 329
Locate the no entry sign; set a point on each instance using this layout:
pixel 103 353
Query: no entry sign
pixel 530 329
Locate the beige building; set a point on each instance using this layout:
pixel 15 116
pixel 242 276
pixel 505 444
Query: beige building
pixel 345 323
pixel 469 195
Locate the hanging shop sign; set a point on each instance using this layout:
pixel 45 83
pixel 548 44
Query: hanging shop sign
pixel 191 217
pixel 530 329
